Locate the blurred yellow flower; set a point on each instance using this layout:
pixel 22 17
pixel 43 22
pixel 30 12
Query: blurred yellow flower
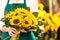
pixel 41 13
pixel 46 28
pixel 46 18
pixel 52 27
pixel 56 21
pixel 56 28
pixel 40 6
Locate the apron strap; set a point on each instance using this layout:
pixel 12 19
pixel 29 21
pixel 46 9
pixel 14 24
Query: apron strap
pixel 8 2
pixel 24 1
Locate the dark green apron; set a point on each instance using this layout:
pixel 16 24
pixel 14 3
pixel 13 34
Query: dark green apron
pixel 23 36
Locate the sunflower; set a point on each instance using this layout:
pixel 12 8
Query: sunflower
pixel 26 22
pixel 15 21
pixel 22 11
pixel 18 10
pixel 33 18
pixel 7 15
pixel 10 14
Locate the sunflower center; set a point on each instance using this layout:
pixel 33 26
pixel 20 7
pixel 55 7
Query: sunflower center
pixel 26 22
pixel 43 19
pixel 16 21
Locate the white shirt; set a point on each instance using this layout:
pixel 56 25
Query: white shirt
pixel 33 4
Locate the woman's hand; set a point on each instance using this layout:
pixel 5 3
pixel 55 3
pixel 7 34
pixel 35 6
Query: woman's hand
pixel 22 30
pixel 12 31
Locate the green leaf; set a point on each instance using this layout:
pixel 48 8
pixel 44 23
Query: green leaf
pixel 40 23
pixel 4 19
pixel 27 8
pixel 35 14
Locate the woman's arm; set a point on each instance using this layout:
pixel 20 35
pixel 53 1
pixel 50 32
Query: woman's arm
pixel 12 31
pixel 2 7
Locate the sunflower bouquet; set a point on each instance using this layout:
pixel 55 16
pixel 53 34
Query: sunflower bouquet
pixel 19 19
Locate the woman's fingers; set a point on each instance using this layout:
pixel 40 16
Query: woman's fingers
pixel 13 29
pixel 23 31
pixel 12 32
